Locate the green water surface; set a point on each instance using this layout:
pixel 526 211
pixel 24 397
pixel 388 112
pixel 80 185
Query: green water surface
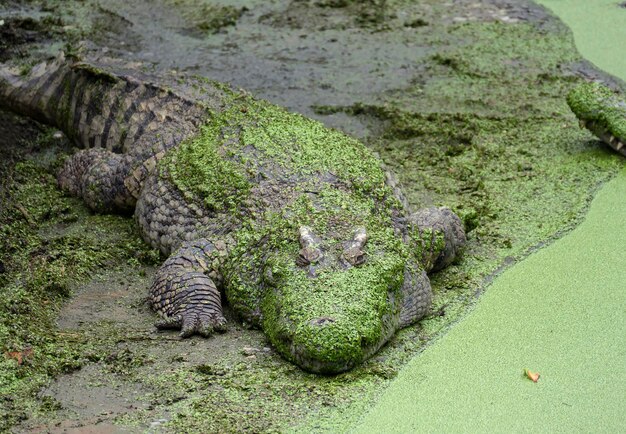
pixel 599 28
pixel 561 312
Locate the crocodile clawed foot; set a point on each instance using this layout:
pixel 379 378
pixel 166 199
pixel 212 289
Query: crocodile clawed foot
pixel 172 323
pixel 447 224
pixel 194 321
pixel 202 323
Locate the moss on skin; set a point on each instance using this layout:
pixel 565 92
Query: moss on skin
pixel 252 135
pixel 197 169
pixel 359 305
pixel 597 103
pixel 327 181
pixel 353 302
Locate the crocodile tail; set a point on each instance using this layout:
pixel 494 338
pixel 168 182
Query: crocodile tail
pixel 33 94
pixel 70 95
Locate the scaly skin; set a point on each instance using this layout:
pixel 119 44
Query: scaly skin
pixel 602 112
pixel 298 224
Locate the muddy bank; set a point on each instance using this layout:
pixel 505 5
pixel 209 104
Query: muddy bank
pixel 463 100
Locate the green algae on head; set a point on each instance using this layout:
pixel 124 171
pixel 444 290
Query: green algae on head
pixel 593 102
pixel 335 315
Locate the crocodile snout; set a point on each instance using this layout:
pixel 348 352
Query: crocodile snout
pixel 326 345
pixel 334 322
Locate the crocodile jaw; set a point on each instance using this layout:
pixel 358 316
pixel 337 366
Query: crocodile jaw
pixel 603 134
pixel 333 322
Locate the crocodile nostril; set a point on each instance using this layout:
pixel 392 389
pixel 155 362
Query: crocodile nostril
pixel 320 322
pixel 365 344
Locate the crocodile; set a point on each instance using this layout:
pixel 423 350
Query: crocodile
pixel 297 226
pixel 601 111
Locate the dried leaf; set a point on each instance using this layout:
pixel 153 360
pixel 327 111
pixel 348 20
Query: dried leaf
pixel 17 355
pixel 532 375
pixel 20 356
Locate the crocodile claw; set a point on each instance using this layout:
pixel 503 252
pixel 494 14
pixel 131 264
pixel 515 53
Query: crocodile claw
pixel 193 322
pixel 202 323
pixel 172 323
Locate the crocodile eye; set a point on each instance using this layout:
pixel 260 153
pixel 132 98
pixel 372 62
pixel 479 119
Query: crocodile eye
pixel 301 260
pixel 308 255
pixel 354 257
pixel 353 250
pixel 310 251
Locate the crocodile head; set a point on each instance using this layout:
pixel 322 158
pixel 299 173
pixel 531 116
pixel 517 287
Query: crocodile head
pixel 602 112
pixel 334 301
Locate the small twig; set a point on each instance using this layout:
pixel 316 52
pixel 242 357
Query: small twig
pixel 73 336
pixel 25 213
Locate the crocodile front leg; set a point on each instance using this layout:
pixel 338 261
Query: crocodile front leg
pixel 416 295
pixel 184 295
pixel 438 236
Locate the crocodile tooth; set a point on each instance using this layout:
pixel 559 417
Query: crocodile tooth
pixel 620 144
pixel 582 123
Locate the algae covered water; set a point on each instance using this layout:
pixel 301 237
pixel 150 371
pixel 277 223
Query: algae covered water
pixel 599 28
pixel 560 312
